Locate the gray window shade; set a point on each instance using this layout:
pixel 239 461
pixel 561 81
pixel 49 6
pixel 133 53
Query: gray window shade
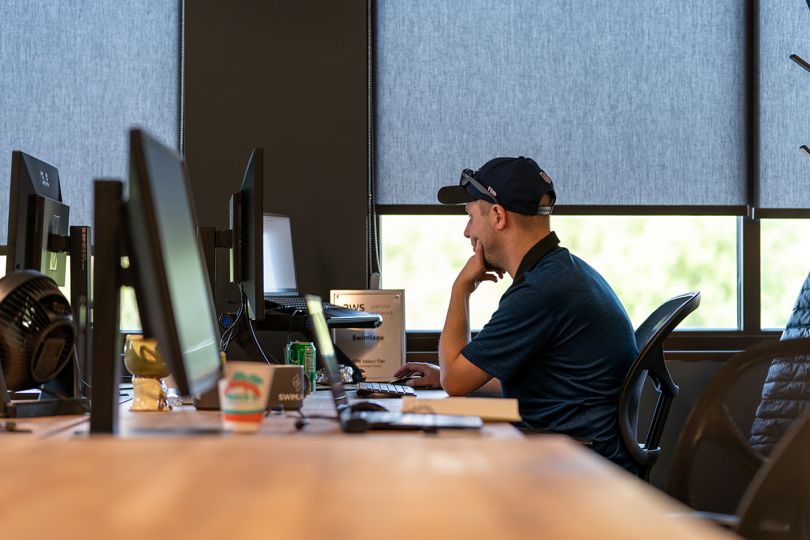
pixel 74 76
pixel 623 103
pixel 784 105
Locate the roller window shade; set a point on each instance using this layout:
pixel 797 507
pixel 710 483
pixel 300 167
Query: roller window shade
pixel 639 102
pixel 74 76
pixel 784 105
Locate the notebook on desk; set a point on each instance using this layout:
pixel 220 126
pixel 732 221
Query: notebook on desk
pixel 281 286
pixel 357 420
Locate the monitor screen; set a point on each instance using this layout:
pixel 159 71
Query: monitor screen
pixel 323 339
pixel 171 283
pixel 279 265
pixel 247 242
pixel 35 213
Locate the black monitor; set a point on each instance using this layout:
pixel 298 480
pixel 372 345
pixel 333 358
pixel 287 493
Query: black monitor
pixel 247 209
pixel 37 219
pixel 155 227
pixel 168 271
pixel 40 238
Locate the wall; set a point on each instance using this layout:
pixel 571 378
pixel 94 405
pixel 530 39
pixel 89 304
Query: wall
pixel 289 77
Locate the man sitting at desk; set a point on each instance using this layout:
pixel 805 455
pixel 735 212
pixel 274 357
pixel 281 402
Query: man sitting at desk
pixel 560 341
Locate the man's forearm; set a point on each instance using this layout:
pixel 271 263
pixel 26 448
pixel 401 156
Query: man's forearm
pixel 456 332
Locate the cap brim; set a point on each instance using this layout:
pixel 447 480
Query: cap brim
pixel 455 195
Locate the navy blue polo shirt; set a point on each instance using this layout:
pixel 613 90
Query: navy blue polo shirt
pixel 561 343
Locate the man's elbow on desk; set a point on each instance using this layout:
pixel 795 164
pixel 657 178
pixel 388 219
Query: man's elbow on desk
pixel 461 377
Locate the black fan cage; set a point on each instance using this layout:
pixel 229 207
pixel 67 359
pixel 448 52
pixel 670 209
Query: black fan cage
pixel 36 333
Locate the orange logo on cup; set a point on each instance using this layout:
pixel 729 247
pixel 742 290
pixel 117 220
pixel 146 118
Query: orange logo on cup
pixel 242 395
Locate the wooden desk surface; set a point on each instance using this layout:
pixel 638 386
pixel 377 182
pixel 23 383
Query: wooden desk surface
pixel 318 484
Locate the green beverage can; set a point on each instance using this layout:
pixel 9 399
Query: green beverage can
pixel 302 353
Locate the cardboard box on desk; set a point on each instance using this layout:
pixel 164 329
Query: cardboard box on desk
pixel 377 351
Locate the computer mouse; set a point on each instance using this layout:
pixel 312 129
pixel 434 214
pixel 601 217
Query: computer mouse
pixel 403 380
pixel 367 405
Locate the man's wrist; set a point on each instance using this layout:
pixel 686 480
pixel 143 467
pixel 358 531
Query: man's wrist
pixel 463 287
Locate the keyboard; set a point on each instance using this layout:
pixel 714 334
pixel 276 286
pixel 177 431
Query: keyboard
pixel 336 316
pixel 366 389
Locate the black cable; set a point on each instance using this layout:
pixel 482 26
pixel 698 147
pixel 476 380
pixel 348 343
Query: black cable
pixel 303 419
pixel 249 324
pixel 258 345
pixel 289 327
pixel 61 397
pixel 79 374
pixel 230 333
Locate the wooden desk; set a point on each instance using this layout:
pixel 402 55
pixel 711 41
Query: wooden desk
pixel 326 487
pixel 320 484
pixel 43 426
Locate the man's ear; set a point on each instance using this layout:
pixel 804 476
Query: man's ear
pixel 498 216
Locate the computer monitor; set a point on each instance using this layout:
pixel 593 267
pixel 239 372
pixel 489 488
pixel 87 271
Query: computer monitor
pixel 279 262
pixel 247 206
pixel 37 219
pixel 167 267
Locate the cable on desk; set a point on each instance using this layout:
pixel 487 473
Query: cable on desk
pixel 303 419
pixel 60 397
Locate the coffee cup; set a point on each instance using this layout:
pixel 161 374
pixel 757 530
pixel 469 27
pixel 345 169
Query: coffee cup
pixel 243 395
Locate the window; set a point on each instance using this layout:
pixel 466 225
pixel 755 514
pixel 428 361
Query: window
pixel 785 264
pixel 646 259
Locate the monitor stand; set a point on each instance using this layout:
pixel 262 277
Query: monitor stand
pixel 22 405
pixel 106 343
pixel 80 303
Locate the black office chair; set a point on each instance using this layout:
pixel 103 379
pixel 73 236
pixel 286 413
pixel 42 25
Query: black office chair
pixel 714 460
pixel 777 503
pixel 650 338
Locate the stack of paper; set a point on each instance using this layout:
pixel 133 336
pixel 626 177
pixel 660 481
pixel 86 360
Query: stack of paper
pixel 489 409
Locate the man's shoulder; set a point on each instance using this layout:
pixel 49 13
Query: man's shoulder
pixel 562 265
pixel 558 266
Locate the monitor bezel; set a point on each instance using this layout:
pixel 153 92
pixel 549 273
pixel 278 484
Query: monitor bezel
pixel 248 238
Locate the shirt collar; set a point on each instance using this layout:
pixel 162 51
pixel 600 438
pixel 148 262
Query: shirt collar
pixel 549 243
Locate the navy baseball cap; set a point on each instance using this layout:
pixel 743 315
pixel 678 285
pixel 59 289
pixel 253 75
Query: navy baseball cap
pixel 516 183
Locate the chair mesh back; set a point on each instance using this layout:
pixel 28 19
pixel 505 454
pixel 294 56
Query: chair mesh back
pixel 650 337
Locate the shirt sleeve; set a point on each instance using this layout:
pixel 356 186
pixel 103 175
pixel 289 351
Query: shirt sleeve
pixel 517 331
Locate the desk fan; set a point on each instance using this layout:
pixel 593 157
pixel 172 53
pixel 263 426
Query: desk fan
pixel 37 337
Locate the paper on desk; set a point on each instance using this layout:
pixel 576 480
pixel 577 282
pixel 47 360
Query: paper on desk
pixel 489 409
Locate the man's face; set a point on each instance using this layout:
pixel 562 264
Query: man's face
pixel 479 229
